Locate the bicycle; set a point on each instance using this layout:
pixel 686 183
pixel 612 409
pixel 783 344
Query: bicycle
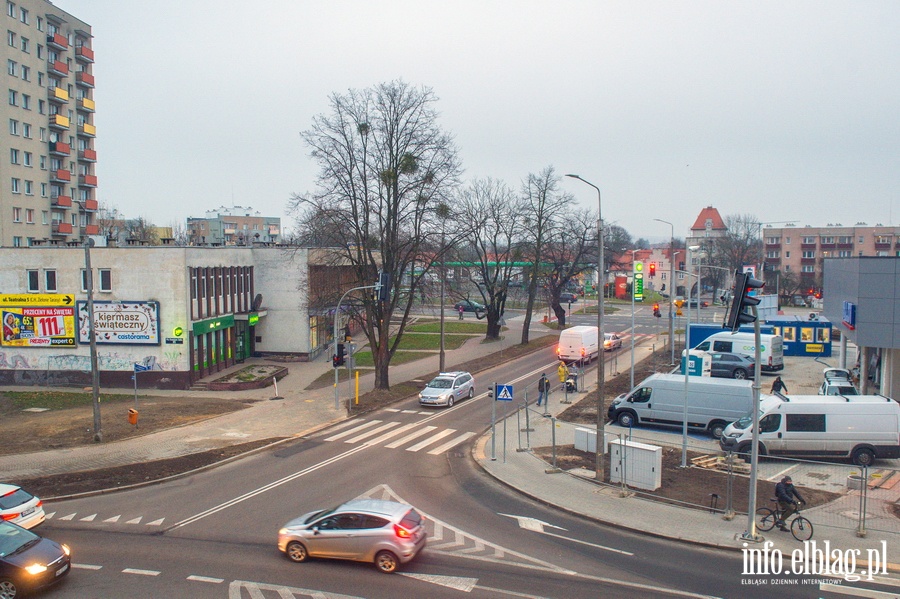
pixel 801 528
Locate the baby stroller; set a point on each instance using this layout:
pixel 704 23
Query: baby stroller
pixel 572 381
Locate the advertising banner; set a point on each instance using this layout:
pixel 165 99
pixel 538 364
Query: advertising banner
pixel 38 327
pixel 121 323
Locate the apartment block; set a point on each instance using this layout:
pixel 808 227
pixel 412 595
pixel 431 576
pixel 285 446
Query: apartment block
pixel 236 225
pixel 803 249
pixel 48 186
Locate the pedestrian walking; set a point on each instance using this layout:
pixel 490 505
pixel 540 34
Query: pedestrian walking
pixel 543 390
pixel 460 312
pixel 778 385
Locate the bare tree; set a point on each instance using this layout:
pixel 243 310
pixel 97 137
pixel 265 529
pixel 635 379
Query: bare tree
pixel 179 233
pixel 492 213
pixel 543 202
pixel 740 245
pixel 571 248
pixel 141 229
pixel 384 168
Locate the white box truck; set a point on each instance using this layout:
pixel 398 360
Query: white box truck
pixel 660 399
pixel 860 427
pixel 578 343
pixel 771 348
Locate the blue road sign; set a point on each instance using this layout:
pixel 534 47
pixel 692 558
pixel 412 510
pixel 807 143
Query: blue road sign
pixel 504 392
pixel 140 367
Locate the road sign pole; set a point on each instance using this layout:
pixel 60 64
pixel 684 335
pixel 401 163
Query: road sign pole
pixel 493 422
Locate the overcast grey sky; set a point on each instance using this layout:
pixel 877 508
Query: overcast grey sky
pixel 786 110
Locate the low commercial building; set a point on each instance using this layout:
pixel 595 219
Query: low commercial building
pixel 174 314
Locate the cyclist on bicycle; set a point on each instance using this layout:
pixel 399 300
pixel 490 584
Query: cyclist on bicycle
pixel 785 491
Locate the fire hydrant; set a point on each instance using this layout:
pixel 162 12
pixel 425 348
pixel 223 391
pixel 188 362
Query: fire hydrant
pixel 132 416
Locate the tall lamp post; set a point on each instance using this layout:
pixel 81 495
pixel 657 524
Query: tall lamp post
pixel 601 338
pixel 671 287
pixel 632 317
pixel 95 369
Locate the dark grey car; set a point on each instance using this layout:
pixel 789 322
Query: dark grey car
pixel 732 366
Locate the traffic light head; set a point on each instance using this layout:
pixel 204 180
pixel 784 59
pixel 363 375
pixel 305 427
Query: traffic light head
pixel 743 285
pixel 652 269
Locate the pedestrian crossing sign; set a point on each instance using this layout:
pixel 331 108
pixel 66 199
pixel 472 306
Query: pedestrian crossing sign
pixel 504 392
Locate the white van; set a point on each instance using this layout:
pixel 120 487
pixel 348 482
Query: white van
pixel 659 399
pixel 578 343
pixel 771 350
pixel 859 427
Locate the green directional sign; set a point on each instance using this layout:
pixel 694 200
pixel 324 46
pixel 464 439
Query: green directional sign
pixel 637 287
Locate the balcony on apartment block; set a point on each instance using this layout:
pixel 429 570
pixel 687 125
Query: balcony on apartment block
pixel 58 121
pixel 57 94
pixel 85 79
pixel 87 180
pixel 84 54
pixel 60 176
pixel 62 228
pixel 57 67
pixel 87 130
pixel 89 205
pixel 58 41
pixel 86 104
pixel 59 148
pixel 90 230
pixel 87 155
pixel 61 201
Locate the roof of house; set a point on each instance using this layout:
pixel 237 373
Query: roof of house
pixel 709 215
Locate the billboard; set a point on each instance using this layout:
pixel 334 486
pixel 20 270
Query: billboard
pixel 121 323
pixel 38 327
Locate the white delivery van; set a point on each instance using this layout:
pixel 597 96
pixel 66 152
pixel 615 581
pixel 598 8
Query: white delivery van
pixel 659 399
pixel 771 350
pixel 578 343
pixel 859 427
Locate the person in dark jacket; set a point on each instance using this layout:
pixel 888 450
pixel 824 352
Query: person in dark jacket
pixel 543 389
pixel 785 492
pixel 778 386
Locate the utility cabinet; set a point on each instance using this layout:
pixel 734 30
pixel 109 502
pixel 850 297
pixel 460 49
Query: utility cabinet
pixel 639 463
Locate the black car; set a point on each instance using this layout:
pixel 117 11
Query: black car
pixel 468 306
pixel 567 298
pixel 29 561
pixel 732 366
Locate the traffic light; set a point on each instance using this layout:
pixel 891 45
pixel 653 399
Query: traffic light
pixel 652 269
pixel 656 311
pixel 743 284
pixel 383 287
pixel 678 304
pixel 338 358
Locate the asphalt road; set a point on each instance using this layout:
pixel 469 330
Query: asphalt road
pixel 213 534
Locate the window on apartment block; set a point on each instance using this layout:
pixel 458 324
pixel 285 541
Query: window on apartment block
pixel 50 281
pixel 807 268
pixel 40 51
pixel 26 101
pixel 808 254
pixel 34 281
pixel 103 281
pixel 15 185
pixel 40 24
pixel 26 73
pixel 787 254
pixel 17 242
pixel 26 158
pixel 13 156
pixel 11 9
pixel 11 38
pixel 17 215
pixel 43 163
pixel 25 45
pixel 23 15
pixel 42 107
pixel 43 133
pixel 11 67
pixel 44 192
pixel 13 127
pixel 29 216
pixel 29 188
pixel 13 97
pixel 44 220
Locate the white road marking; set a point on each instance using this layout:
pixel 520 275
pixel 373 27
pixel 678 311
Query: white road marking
pixel 841 589
pixel 156 522
pixel 432 439
pixel 392 433
pixel 410 437
pixel 141 572
pixel 450 444
pixel 205 579
pixel 380 429
pixel 355 429
pixel 113 519
pixel 86 567
pixel 69 517
pixel 135 520
pixel 267 487
pixel 460 583
pixel 535 525
pixel 89 518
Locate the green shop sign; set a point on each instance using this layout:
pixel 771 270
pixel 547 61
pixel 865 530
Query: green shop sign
pixel 213 324
pixel 252 318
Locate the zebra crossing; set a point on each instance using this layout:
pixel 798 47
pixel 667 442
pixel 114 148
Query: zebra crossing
pixel 397 435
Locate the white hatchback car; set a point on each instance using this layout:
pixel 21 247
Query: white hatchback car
pixel 447 388
pixel 20 507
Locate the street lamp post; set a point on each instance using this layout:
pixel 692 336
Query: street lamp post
pixel 671 288
pixel 601 338
pixel 95 368
pixel 632 318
